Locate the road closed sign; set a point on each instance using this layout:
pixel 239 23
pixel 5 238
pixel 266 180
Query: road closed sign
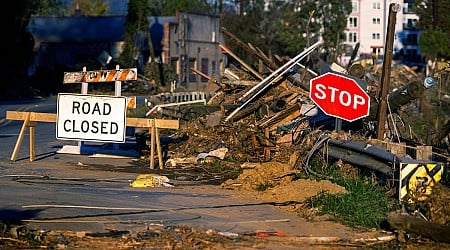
pixel 91 118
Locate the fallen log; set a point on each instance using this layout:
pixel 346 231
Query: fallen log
pixel 408 223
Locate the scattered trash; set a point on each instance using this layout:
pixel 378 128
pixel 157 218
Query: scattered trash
pixel 229 234
pixel 218 153
pixel 150 180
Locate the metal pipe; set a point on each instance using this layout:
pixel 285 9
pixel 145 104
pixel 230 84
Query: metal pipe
pixel 287 65
pixel 283 69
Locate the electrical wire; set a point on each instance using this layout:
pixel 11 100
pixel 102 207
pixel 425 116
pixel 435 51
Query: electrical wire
pixel 306 165
pixel 392 119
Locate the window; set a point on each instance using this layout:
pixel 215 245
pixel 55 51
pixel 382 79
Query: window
pixel 376 6
pixel 376 36
pixel 213 68
pixel 352 37
pixel 408 8
pixel 204 68
pixel 354 6
pixel 411 39
pixel 411 23
pixel 352 22
pixel 192 75
pixel 376 20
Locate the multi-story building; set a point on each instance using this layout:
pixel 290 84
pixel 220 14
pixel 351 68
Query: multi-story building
pixel 367 25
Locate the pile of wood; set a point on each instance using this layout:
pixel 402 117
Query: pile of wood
pixel 270 101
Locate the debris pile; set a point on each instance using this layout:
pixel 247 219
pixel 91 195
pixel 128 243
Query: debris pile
pixel 266 117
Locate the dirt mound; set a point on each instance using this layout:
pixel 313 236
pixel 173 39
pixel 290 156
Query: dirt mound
pixel 273 181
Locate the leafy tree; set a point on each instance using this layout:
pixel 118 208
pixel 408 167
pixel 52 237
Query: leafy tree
pixel 434 22
pixel 247 25
pixel 19 44
pixel 90 7
pixel 170 7
pixel 137 27
pixel 49 8
pixel 287 27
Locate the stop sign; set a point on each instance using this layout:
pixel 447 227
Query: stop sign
pixel 339 96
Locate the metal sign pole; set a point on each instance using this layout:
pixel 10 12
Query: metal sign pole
pixel 117 92
pixel 84 91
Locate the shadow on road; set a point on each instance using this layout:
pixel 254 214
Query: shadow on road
pixel 16 217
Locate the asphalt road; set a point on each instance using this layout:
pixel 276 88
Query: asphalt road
pixel 63 192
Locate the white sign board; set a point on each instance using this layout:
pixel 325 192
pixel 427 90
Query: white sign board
pixel 91 118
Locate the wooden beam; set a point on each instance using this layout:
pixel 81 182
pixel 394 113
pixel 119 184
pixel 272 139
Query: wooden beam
pixel 131 121
pixel 33 116
pixel 254 72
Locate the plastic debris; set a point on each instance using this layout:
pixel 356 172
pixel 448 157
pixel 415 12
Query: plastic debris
pixel 151 180
pixel 218 153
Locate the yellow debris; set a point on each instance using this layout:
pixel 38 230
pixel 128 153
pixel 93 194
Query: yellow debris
pixel 150 180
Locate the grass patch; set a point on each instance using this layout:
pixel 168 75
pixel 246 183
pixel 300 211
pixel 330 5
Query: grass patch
pixel 365 205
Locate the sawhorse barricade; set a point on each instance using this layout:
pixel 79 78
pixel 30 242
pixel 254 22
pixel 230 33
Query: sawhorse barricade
pixel 30 120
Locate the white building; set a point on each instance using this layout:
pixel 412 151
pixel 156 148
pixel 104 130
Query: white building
pixel 368 22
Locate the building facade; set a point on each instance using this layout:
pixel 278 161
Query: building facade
pixel 192 41
pixel 184 41
pixel 367 25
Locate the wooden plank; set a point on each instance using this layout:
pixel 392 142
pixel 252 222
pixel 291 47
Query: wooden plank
pixel 248 67
pixel 286 119
pixel 147 123
pixel 424 153
pixel 168 124
pixel 34 116
pixel 131 121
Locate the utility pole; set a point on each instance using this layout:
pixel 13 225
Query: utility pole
pixel 386 71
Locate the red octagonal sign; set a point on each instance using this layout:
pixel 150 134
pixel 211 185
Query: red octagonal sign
pixel 339 96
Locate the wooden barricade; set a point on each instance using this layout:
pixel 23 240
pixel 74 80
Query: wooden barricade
pixel 30 120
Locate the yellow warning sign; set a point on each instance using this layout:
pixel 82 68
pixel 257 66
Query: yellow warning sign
pixel 101 76
pixel 417 181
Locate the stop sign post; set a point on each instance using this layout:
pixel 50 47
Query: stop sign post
pixel 339 96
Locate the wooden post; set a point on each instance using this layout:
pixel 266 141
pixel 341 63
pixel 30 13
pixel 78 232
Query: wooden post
pixel 32 126
pixel 386 72
pixel 20 138
pixel 152 145
pixel 158 149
